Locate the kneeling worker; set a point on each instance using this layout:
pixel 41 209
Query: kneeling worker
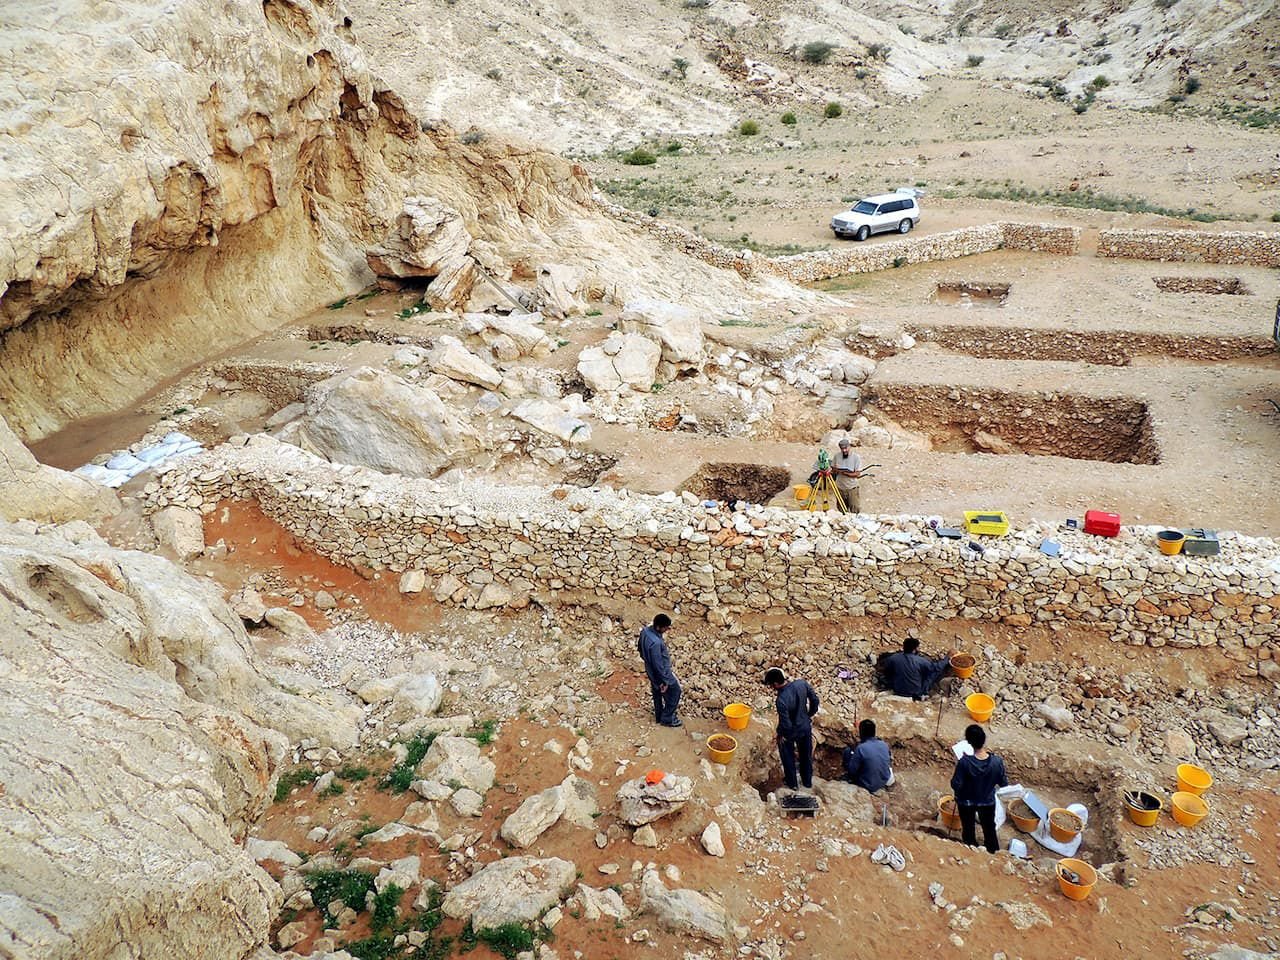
pixel 912 674
pixel 868 764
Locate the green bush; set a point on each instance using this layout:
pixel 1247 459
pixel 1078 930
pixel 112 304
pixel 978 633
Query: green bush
pixel 973 60
pixel 675 146
pixel 640 157
pixel 403 774
pixel 494 74
pixel 1275 217
pixel 1192 85
pixel 681 66
pixel 817 51
pixel 293 778
pixel 1004 30
pixel 349 886
pixel 508 939
pixel 832 110
pixel 1099 82
pixel 385 905
pixel 789 119
pixel 879 51
pixel 748 128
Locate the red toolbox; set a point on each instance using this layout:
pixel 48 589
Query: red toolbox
pixel 1102 524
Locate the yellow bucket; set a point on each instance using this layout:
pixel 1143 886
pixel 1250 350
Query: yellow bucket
pixel 1140 815
pixel 949 813
pixel 1193 779
pixel 802 491
pixel 1088 877
pixel 1064 825
pixel 1170 541
pixel 963 665
pixel 737 716
pixel 980 706
pixel 716 746
pixel 1189 808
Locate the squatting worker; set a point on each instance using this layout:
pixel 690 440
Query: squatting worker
pixel 797 703
pixel 869 764
pixel 910 673
pixel 846 468
pixel 974 787
pixel 657 665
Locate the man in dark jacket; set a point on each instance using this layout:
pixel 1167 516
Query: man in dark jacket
pixel 974 786
pixel 868 764
pixel 657 665
pixel 797 703
pixel 912 675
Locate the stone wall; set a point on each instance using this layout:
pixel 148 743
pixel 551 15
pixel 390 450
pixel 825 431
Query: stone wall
pixel 859 258
pixel 1257 248
pixel 498 545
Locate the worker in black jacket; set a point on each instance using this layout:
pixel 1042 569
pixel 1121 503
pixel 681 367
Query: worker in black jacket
pixel 910 673
pixel 657 666
pixel 797 703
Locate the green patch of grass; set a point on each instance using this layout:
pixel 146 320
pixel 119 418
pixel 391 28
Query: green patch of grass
pixel 412 311
pixel 339 304
pixel 832 110
pixel 364 831
pixel 368 294
pixel 1100 81
pixel 374 948
pixel 593 312
pixel 843 284
pixel 748 128
pixel 355 774
pixel 640 157
pixel 740 322
pixel 508 939
pixel 1275 217
pixel 878 51
pixel 675 146
pixel 403 774
pixel 817 51
pixel 1191 85
pixel 973 60
pixel 385 906
pixel 349 886
pixel 484 734
pixel 178 411
pixel 789 119
pixel 334 789
pixel 293 778
pixel 681 66
pixel 1085 199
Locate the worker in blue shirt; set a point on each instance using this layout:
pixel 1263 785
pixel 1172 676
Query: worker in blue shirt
pixel 869 764
pixel 974 784
pixel 797 703
pixel 657 666
pixel 911 674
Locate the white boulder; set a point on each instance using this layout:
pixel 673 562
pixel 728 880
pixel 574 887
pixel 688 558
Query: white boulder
pixel 534 817
pixel 512 890
pixel 458 758
pixel 451 359
pixel 675 328
pixel 428 235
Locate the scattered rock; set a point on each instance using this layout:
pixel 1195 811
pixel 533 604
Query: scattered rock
pixel 512 890
pixel 179 530
pixel 642 802
pixel 413 581
pixel 458 759
pixel 684 911
pixel 534 817
pixel 712 842
pixel 645 837
pixel 289 623
pixel 467 803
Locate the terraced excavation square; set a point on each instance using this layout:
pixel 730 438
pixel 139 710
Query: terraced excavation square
pixel 971 293
pixel 1047 424
pixel 728 482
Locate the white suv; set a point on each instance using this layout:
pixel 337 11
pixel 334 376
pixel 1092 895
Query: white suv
pixel 885 213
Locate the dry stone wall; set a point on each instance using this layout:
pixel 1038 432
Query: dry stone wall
pixel 491 545
pixel 862 258
pixel 1257 248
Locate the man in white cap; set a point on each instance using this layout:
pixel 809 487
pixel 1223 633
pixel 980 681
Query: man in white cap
pixel 846 467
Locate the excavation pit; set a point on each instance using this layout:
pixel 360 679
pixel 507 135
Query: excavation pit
pixel 1230 286
pixel 967 294
pixel 729 482
pixel 1042 424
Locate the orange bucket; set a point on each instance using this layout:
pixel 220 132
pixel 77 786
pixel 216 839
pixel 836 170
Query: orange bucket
pixel 1193 779
pixel 721 746
pixel 963 665
pixel 1064 825
pixel 1023 817
pixel 737 715
pixel 1085 874
pixel 1189 808
pixel 980 706
pixel 949 813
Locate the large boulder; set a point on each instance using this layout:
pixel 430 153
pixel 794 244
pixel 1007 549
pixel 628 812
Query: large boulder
pixel 179 530
pixel 684 911
pixel 451 289
pixel 30 490
pixel 451 359
pixel 135 753
pixel 624 359
pixel 552 419
pixel 675 328
pixel 427 237
pixel 514 890
pixel 534 817
pixel 559 289
pixel 375 419
pixel 844 801
pixel 641 802
pixel 458 759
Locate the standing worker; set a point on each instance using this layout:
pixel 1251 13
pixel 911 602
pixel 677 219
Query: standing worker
pixel 657 665
pixel 797 703
pixel 974 787
pixel 847 469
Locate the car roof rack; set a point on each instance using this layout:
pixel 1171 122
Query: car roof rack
pixel 914 191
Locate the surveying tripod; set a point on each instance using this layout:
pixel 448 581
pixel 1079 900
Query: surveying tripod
pixel 823 492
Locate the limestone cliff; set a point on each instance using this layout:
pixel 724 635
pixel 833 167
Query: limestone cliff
pixel 130 759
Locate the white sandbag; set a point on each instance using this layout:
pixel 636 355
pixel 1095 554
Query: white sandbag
pixel 125 462
pixel 115 479
pixel 157 453
pixel 94 473
pixel 177 438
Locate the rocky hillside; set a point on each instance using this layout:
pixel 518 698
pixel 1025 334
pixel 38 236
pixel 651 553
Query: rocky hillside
pixel 633 70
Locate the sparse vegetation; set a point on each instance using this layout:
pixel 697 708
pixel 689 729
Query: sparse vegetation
pixel 681 66
pixel 349 886
pixel 339 304
pixel 1084 199
pixel 472 137
pixel 484 734
pixel 403 774
pixel 696 4
pixel 675 146
pixel 1099 82
pixel 412 311
pixel 973 60
pixel 508 939
pixel 832 110
pixel 748 128
pixel 639 157
pixel 364 831
pixel 1191 85
pixel 789 119
pixel 385 906
pixel 334 789
pixel 817 51
pixel 1165 4
pixel 293 778
pixel 354 774
pixel 878 51
pixel 1003 31
pixel 493 74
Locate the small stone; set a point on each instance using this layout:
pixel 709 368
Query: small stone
pixel 645 837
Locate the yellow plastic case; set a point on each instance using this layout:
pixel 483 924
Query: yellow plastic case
pixel 987 523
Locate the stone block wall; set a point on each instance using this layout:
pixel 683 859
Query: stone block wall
pixel 1042 238
pixel 1257 248
pixel 491 545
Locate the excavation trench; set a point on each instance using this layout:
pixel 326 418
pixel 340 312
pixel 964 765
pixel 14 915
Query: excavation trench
pixel 1045 424
pixel 967 294
pixel 1111 347
pixel 1231 286
pixel 729 482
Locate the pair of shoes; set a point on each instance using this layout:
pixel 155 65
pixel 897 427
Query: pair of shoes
pixel 677 722
pixel 880 854
pixel 895 859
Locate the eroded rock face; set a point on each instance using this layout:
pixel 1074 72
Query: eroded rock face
pixel 130 755
pixel 624 359
pixel 375 419
pixel 30 490
pixel 428 236
pixel 684 911
pixel 675 328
